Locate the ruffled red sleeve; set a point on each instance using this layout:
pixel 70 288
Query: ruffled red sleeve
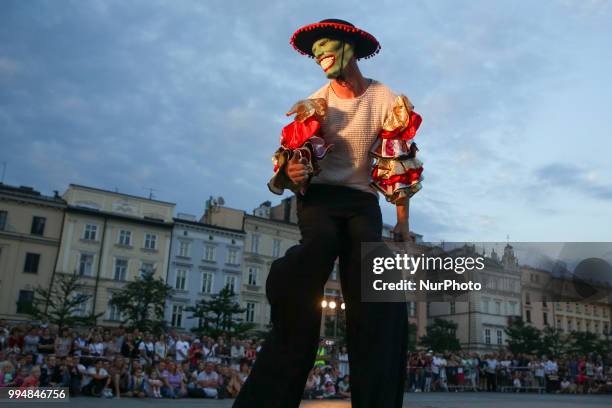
pixel 396 171
pixel 300 137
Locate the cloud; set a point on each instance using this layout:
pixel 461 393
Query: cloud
pixel 189 98
pixel 566 176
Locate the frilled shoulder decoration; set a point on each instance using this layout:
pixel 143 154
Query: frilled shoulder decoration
pixel 397 173
pixel 301 137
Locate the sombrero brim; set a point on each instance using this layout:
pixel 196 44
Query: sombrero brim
pixel 366 45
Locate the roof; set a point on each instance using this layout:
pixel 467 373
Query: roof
pixel 105 214
pixel 29 192
pixel 120 194
pixel 204 225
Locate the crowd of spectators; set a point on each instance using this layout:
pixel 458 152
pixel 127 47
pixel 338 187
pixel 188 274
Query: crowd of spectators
pixel 115 362
pixel 575 374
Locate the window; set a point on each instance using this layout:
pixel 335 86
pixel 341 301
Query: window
pixel 86 265
pixel 528 316
pixel 411 309
pixel 209 253
pixel 497 307
pixel 485 305
pixel 183 249
pixel 544 303
pixel 512 308
pixel 559 325
pixel 250 312
pixel 3 218
pixel 150 241
pixel 452 308
pixel 81 309
pixel 147 267
pixel 570 326
pixel 177 316
pixel 230 282
pixel 125 237
pixel 578 310
pixel 527 298
pixel 91 232
pixel 232 256
pixel 38 225
pixel 31 263
pixel 25 300
pixel 487 336
pixel 276 248
pixel 255 243
pixel 207 282
pixel 113 312
pixel 499 337
pixel 579 325
pixel 253 275
pixel 545 318
pixel 181 279
pixel 120 269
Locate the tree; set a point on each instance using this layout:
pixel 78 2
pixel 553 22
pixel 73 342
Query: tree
pixel 552 342
pixel 441 336
pixel 220 315
pixel 61 303
pixel 522 338
pixel 141 302
pixel 587 342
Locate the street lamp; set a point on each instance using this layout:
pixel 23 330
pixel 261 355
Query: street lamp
pixel 332 305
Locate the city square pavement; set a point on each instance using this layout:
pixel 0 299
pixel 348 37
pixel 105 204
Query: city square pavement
pixel 413 400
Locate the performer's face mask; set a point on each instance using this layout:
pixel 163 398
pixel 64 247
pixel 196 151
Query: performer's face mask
pixel 332 55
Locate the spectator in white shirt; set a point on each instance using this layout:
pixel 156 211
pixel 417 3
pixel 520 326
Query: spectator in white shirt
pixel 208 381
pixel 182 349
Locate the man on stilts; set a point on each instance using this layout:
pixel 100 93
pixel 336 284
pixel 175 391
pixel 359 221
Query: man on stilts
pixel 349 140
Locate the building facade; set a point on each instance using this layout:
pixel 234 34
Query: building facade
pixel 566 316
pixel 204 259
pixel 108 239
pixel 482 316
pixel 30 230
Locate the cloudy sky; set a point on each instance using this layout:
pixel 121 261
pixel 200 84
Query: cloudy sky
pixel 188 98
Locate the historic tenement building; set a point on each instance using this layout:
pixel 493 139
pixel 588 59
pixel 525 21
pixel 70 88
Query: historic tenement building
pixel 483 315
pixel 204 259
pixel 109 238
pixel 30 230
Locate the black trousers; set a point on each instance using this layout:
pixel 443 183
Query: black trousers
pixel 334 221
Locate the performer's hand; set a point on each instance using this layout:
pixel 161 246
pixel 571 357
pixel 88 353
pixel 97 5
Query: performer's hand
pixel 401 231
pixel 297 169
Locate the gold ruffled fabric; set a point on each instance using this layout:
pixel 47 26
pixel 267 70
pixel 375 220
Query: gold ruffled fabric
pixel 399 115
pixel 313 149
pixel 308 107
pixel 396 171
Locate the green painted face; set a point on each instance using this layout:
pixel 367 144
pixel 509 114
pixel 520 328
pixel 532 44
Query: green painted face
pixel 328 54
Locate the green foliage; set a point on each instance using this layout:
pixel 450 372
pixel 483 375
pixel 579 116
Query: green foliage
pixel 585 342
pixel 523 338
pixel 220 315
pixel 141 302
pixel 60 303
pixel 441 336
pixel 552 342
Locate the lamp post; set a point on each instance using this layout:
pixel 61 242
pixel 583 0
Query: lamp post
pixel 332 305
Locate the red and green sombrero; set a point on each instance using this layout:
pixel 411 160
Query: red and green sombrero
pixel 366 45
